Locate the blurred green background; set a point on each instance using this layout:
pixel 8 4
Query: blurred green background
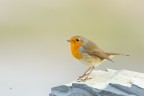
pixel 34 54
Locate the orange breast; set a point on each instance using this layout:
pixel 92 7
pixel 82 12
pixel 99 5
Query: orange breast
pixel 75 49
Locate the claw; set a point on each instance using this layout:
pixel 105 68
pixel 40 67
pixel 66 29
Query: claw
pixel 84 79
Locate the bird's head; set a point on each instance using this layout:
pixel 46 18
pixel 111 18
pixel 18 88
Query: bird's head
pixel 78 41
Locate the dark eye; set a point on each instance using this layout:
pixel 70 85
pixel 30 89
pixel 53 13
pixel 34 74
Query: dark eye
pixel 77 39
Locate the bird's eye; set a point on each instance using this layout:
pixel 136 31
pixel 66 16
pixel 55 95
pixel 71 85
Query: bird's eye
pixel 77 39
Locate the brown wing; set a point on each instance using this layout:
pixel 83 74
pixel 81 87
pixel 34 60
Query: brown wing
pixel 98 53
pixel 93 50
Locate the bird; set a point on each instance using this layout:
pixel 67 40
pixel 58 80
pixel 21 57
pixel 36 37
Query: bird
pixel 89 54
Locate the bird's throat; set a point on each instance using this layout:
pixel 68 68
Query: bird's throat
pixel 75 49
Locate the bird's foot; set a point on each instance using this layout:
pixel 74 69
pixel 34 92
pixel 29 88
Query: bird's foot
pixel 84 78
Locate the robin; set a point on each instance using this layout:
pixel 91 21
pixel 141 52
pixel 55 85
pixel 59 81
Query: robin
pixel 89 54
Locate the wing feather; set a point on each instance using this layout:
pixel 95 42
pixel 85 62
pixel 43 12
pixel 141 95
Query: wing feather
pixel 99 53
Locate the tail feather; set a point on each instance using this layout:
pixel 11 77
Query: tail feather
pixel 113 53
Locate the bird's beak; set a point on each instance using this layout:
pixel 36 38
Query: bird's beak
pixel 69 40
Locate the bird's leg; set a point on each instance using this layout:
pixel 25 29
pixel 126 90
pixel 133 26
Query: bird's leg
pixel 86 78
pixel 84 73
pixel 89 74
